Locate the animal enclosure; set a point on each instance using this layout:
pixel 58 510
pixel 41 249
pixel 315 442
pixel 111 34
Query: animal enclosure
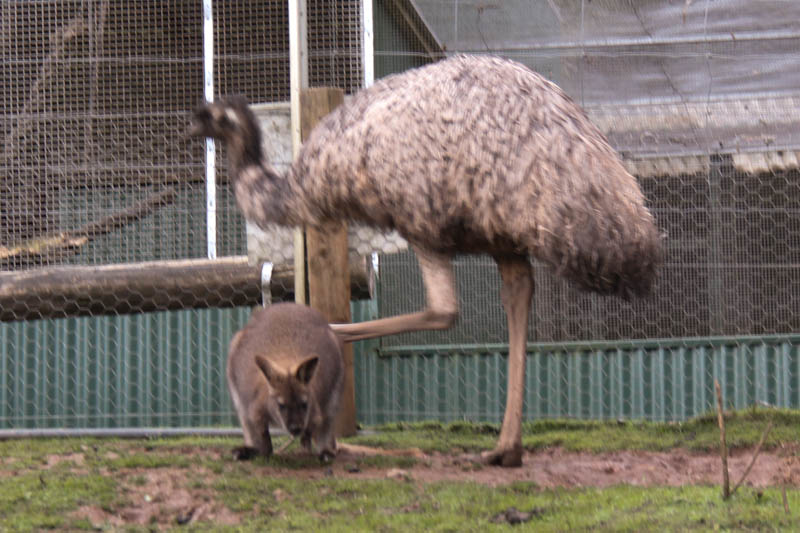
pixel 700 98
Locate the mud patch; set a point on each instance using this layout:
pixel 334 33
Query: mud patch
pixel 97 517
pixel 160 496
pixel 165 497
pixel 560 468
pixel 160 499
pixel 514 516
pixel 53 460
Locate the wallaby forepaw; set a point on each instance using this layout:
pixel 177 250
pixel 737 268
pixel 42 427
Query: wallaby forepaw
pixel 305 442
pixel 326 456
pixel 507 458
pixel 245 453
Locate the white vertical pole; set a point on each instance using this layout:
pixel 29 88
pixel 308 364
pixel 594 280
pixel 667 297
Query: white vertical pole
pixel 368 61
pixel 298 75
pixel 208 82
pixel 296 60
pixel 367 43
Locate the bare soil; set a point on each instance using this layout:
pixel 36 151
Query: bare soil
pixel 163 497
pixel 557 467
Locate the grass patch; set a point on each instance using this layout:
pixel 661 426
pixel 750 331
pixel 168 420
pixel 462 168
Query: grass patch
pixel 342 505
pixel 743 428
pixel 34 501
pixel 40 493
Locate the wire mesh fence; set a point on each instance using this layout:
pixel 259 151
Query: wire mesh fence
pixel 97 170
pixel 702 103
pixel 700 98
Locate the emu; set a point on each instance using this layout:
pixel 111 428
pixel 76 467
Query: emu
pixel 469 155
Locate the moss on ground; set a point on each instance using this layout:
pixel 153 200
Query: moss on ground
pixel 743 428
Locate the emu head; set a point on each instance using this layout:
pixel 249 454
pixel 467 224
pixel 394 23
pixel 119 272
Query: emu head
pixel 230 120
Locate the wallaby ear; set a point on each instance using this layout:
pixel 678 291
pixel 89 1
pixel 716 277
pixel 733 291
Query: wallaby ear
pixel 266 366
pixel 235 341
pixel 305 370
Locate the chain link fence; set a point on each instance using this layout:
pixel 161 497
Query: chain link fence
pixel 701 99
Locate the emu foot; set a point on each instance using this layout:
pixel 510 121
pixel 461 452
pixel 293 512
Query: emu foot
pixel 245 453
pixel 505 457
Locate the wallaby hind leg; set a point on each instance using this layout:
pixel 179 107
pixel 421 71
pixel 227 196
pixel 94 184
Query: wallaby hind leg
pixel 323 438
pixel 257 440
pixel 253 432
pixel 248 451
pixel 305 440
pixel 326 441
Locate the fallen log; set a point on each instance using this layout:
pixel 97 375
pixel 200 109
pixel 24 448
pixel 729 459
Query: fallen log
pixel 57 292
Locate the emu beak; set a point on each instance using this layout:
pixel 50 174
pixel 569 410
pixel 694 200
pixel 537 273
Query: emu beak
pixel 195 129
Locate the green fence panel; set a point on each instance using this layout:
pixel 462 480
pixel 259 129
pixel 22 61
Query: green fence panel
pixel 661 380
pixel 168 370
pixel 149 370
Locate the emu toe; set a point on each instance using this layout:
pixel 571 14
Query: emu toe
pixel 507 458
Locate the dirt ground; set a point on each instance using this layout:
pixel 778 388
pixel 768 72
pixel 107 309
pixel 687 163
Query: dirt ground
pixel 560 468
pixel 163 495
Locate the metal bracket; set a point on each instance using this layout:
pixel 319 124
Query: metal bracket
pixel 266 284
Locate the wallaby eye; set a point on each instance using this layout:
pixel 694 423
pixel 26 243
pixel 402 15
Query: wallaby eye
pixel 303 404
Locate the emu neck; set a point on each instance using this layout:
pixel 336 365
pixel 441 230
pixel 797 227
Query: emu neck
pixel 243 153
pixel 261 193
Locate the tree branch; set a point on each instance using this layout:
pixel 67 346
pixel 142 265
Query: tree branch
pixel 69 240
pixel 753 459
pixel 723 447
pixel 58 42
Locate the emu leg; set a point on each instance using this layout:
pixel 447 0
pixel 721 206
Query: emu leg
pixel 516 294
pixel 441 307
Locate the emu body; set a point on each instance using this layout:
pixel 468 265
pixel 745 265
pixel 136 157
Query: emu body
pixel 285 370
pixel 467 155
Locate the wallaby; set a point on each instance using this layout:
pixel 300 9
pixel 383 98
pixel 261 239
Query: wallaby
pixel 285 369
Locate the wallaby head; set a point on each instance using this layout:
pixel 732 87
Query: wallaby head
pixel 290 391
pixel 229 120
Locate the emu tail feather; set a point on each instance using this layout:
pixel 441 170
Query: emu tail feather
pixel 618 254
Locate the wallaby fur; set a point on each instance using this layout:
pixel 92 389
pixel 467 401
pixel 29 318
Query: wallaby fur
pixel 285 370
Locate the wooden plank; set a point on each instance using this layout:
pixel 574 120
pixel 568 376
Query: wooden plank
pixel 328 282
pixel 60 292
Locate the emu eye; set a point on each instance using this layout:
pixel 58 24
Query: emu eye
pixel 202 116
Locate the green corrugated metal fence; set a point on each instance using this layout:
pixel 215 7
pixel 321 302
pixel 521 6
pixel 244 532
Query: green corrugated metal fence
pixel 167 370
pixel 158 369
pixel 655 380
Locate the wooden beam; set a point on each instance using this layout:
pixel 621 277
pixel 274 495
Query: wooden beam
pixel 149 286
pixel 419 28
pixel 328 282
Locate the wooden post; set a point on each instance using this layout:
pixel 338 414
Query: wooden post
pixel 328 279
